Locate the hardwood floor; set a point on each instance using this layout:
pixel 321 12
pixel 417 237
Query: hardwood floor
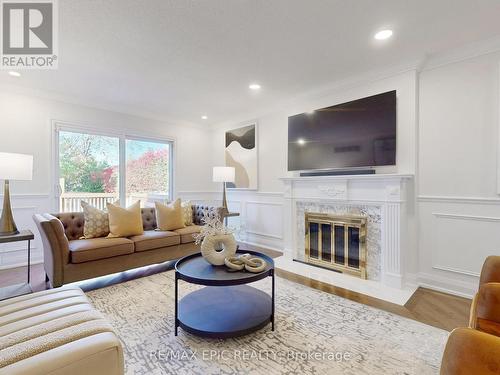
pixel 427 306
pixel 437 309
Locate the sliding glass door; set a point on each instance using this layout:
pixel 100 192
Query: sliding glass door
pixel 88 170
pixel 147 174
pixel 101 168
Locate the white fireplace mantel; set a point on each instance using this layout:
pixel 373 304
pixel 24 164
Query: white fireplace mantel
pixel 392 194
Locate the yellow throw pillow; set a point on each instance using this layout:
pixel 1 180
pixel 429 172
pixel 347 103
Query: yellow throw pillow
pixel 187 213
pixel 169 217
pixel 125 222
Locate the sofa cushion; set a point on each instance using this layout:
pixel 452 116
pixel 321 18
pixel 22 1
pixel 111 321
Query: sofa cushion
pixel 154 239
pixel 187 233
pixel 96 221
pixel 169 217
pixel 124 222
pixel 148 218
pixel 187 212
pixel 99 248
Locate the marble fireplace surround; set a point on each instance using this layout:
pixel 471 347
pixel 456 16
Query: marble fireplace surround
pixel 373 235
pixel 384 199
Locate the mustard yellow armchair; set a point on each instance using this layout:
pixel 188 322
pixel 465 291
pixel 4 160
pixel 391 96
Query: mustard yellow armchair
pixel 490 273
pixel 485 308
pixel 471 352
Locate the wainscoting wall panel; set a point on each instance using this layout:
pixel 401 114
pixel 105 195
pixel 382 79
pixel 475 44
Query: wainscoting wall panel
pixel 265 219
pixel 456 235
pixel 261 214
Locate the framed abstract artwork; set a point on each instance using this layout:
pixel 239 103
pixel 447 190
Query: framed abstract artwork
pixel 241 153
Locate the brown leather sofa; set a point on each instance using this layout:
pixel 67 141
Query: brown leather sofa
pixel 67 258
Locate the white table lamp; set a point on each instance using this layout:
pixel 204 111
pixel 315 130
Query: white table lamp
pixel 223 174
pixel 12 167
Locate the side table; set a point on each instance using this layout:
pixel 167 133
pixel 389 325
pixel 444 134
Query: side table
pixel 226 307
pixel 23 288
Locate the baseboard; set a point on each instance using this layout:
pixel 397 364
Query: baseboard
pixel 23 264
pixel 263 246
pixel 447 285
pixel 410 280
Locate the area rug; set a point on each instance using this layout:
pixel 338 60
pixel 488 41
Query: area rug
pixel 316 333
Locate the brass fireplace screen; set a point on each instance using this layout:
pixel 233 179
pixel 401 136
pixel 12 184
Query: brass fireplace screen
pixel 337 242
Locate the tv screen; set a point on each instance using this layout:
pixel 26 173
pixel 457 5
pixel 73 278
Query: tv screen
pixel 361 133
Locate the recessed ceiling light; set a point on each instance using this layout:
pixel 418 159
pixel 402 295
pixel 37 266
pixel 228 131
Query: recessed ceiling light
pixel 254 86
pixel 15 74
pixel 383 34
pixel 301 141
pixel 204 117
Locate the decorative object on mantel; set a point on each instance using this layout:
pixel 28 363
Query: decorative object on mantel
pixel 217 240
pixel 245 262
pixel 224 175
pixel 12 167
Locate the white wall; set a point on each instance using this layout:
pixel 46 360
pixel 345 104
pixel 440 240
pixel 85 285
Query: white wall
pixel 273 127
pixel 459 207
pixel 448 121
pixel 25 127
pixel 262 210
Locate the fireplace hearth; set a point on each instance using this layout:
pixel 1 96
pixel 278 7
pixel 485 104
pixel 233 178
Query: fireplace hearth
pixel 337 242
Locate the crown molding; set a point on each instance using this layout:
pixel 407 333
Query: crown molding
pixel 427 62
pixel 464 52
pixel 350 82
pixel 94 104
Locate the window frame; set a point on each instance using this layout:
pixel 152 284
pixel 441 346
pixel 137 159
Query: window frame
pixel 123 136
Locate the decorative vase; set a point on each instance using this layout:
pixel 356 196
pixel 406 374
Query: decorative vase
pixel 211 244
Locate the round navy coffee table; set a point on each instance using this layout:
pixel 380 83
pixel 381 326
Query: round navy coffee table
pixel 225 307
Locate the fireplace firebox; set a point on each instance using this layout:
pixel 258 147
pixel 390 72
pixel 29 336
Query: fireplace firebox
pixel 337 242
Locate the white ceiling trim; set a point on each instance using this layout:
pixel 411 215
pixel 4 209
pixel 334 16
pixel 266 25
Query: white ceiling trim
pixel 452 56
pixel 469 51
pixel 331 88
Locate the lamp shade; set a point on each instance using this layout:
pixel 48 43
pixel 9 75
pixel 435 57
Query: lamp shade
pixel 16 166
pixel 223 174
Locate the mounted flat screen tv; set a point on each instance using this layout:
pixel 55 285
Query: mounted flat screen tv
pixel 361 133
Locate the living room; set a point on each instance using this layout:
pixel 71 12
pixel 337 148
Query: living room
pixel 250 187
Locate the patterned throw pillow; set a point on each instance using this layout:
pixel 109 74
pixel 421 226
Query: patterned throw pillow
pixel 96 222
pixel 187 213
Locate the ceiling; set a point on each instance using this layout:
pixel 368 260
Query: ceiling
pixel 180 59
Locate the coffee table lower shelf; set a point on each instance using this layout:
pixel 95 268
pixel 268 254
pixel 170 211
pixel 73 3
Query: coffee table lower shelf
pixel 225 311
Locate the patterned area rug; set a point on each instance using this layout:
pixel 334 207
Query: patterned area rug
pixel 316 333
